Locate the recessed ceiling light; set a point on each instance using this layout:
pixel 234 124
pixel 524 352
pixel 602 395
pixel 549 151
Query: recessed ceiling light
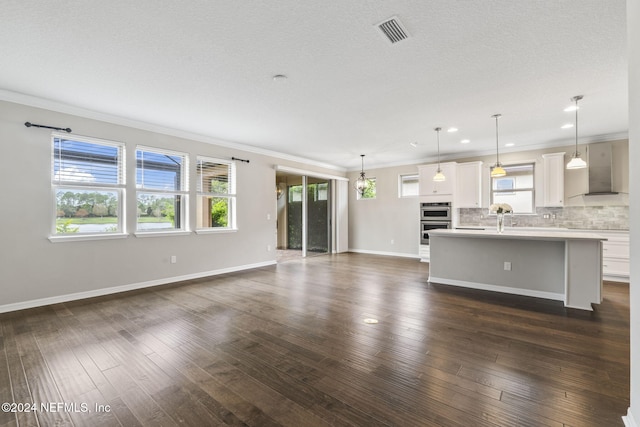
pixel 413 144
pixel 279 78
pixel 452 129
pixel 370 321
pixel 567 126
pixel 465 141
pixel 571 108
pixel 509 144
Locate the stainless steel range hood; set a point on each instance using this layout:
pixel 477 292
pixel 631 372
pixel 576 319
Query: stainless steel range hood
pixel 600 169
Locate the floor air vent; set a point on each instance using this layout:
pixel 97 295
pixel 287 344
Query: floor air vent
pixel 393 29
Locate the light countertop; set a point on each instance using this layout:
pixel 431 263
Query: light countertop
pixel 514 233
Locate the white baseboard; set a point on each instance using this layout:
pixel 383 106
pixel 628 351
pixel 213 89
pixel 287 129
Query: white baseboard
pixel 495 288
pixel 397 254
pixel 130 287
pixel 628 420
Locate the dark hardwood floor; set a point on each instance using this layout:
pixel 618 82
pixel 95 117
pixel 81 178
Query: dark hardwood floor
pixel 287 345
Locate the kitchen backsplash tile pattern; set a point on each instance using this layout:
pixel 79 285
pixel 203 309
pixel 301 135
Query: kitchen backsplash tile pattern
pixel 580 217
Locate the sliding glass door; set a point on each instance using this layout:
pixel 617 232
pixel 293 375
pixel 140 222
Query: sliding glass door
pixel 308 224
pixel 318 214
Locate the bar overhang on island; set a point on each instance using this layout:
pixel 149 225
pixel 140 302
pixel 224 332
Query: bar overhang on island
pixel 564 266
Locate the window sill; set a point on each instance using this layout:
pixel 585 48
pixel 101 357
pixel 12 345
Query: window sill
pixel 84 237
pixel 161 233
pixel 215 231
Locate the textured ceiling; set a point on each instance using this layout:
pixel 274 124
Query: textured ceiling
pixel 206 67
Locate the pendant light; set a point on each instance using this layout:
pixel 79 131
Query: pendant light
pixel 576 161
pixel 439 176
pixel 361 182
pixel 497 171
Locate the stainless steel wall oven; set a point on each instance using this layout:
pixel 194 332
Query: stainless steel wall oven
pixel 433 216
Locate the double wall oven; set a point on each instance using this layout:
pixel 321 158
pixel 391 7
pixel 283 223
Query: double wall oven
pixel 433 216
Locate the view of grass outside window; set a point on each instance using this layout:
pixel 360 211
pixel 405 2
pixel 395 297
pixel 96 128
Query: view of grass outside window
pixel 216 193
pixel 161 190
pixel 88 182
pixel 369 190
pixel 516 188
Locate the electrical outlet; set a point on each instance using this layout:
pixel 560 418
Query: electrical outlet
pixel 507 266
pixel 174 259
pixel 392 241
pixel 268 217
pixel 268 248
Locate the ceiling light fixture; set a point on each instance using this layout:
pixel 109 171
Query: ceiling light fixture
pixel 509 144
pixel 497 171
pixel 452 129
pixel 567 126
pixel 439 176
pixel 576 161
pixel 465 141
pixel 413 144
pixel 361 182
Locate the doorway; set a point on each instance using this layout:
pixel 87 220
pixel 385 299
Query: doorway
pixel 304 216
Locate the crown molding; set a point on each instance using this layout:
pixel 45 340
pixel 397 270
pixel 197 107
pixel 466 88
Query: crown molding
pixel 47 104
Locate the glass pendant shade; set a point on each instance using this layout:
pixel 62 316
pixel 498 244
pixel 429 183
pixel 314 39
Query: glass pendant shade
pixel 576 161
pixel 439 176
pixel 497 171
pixel 361 183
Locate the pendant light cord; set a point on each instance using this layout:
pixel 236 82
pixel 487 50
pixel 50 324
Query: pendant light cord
pixel 497 116
pixel 438 137
pixel 576 98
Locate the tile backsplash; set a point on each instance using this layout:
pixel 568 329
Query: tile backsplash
pixel 580 217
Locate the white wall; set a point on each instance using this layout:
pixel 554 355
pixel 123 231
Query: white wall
pixel 633 29
pixel 375 223
pixel 34 270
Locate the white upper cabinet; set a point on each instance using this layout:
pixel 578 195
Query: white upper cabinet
pixel 469 185
pixel 553 179
pixel 428 187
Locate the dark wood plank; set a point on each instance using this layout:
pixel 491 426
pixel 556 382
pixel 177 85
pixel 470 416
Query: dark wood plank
pixel 286 345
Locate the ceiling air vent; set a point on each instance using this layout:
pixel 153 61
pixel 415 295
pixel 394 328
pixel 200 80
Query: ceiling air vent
pixel 393 29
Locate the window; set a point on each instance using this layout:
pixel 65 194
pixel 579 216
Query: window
pixel 161 190
pixel 516 188
pixel 88 184
pixel 369 191
pixel 408 185
pixel 216 194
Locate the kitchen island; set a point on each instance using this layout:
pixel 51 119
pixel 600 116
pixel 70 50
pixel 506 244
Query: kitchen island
pixel 563 266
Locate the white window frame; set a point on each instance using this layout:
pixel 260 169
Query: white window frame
pixel 59 183
pixel 532 188
pixel 230 195
pixel 183 191
pixel 401 180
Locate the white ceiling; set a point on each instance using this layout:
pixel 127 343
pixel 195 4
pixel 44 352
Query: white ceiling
pixel 206 67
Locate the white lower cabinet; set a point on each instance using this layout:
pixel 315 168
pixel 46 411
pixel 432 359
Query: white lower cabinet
pixel 424 253
pixel 615 256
